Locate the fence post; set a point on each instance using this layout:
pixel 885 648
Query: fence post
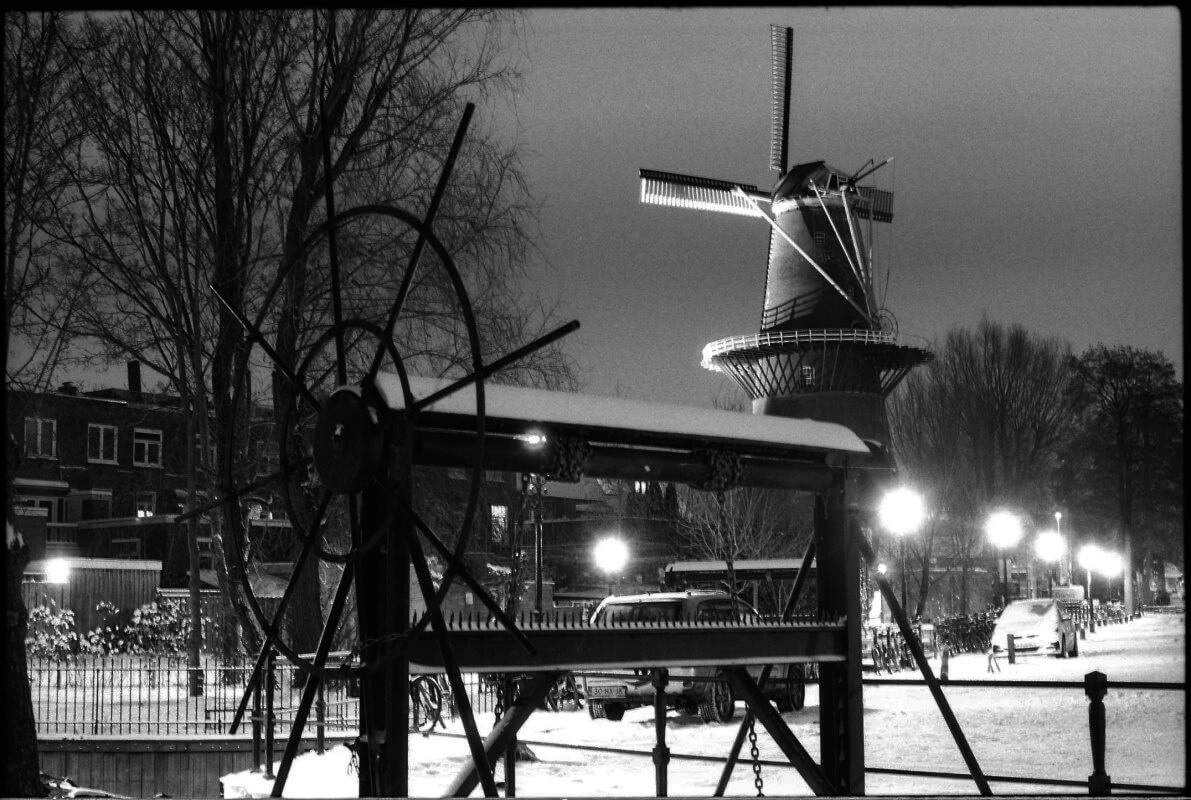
pixel 1095 684
pixel 256 726
pixel 943 667
pixel 270 677
pixel 1011 648
pixel 320 714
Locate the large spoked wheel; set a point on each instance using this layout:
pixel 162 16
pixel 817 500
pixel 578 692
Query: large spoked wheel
pixel 347 423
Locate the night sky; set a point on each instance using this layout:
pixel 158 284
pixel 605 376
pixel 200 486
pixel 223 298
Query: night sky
pixel 1037 171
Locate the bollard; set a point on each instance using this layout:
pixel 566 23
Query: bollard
pixel 1011 648
pixel 661 753
pixel 1083 631
pixel 943 667
pixel 1095 684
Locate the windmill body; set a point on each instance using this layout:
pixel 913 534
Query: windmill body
pixel 824 350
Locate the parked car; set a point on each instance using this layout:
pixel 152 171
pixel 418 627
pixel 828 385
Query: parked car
pixel 695 690
pixel 1037 625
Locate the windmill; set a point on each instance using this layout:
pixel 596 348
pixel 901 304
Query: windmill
pixel 825 349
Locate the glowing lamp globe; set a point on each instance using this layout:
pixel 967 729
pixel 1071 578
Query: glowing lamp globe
pixel 901 511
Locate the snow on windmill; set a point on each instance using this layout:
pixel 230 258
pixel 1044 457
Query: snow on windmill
pixel 825 350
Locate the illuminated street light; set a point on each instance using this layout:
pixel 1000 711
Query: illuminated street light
pixel 57 570
pixel 1090 558
pixel 610 555
pixel 1004 531
pixel 1049 547
pixel 901 513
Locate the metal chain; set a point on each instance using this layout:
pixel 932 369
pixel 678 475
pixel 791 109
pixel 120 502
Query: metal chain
pixel 567 458
pixel 724 470
pixel 756 756
pixel 498 710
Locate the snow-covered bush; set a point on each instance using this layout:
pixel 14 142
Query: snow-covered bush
pixel 51 633
pixel 156 628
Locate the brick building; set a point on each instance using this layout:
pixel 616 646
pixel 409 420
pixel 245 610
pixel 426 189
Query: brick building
pixel 103 474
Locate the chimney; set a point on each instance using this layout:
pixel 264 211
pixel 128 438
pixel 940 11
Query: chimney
pixel 134 377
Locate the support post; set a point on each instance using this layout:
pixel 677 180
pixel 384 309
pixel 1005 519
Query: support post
pixel 270 685
pixel 1095 685
pixel 1011 648
pixel 320 719
pixel 661 753
pixel 841 703
pixel 256 727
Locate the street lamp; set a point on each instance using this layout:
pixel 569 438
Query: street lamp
pixel 1049 548
pixel 57 570
pixel 1066 546
pixel 901 512
pixel 611 554
pixel 1110 567
pixel 1004 531
pixel 1090 558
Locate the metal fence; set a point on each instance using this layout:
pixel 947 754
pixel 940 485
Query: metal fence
pixel 150 695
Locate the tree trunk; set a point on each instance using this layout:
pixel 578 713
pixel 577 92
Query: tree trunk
pixel 22 772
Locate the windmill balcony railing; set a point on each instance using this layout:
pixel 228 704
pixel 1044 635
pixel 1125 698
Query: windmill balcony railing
pixel 780 339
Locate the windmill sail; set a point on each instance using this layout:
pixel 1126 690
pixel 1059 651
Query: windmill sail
pixel 781 46
pixel 704 194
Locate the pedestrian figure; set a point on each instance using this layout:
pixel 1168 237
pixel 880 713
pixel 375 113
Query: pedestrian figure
pixel 993 666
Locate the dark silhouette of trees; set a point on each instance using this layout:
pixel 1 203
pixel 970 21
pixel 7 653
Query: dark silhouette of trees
pixel 979 429
pixel 1123 470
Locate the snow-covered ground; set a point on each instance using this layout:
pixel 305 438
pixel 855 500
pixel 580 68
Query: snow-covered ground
pixel 1018 732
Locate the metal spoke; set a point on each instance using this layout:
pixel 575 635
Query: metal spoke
pixel 259 338
pixel 453 563
pixel 416 255
pixel 474 742
pixel 248 488
pixel 497 365
pixel 308 691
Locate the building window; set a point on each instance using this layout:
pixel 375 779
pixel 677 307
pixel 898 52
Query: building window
pixel 101 443
pixel 41 437
pixel 269 459
pixel 55 507
pixel 146 504
pixel 500 523
pixel 808 376
pixel 146 447
pixel 820 239
pixel 640 487
pixel 211 451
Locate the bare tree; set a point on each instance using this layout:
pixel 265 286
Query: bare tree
pixel 38 133
pixel 223 179
pixel 978 428
pixel 1126 464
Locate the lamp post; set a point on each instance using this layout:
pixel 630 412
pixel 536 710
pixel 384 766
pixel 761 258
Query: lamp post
pixel 1066 547
pixel 1090 557
pixel 611 554
pixel 901 512
pixel 1049 548
pixel 1004 531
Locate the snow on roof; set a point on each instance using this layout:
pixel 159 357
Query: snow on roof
pixel 568 408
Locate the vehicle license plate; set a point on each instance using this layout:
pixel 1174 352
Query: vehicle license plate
pixel 607 691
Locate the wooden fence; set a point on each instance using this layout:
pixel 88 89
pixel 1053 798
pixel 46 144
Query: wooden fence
pixel 178 766
pixel 125 584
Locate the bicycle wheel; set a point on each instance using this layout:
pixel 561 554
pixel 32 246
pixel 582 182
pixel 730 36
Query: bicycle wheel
pixel 425 704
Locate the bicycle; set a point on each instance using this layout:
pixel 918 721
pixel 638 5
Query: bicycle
pixel 425 703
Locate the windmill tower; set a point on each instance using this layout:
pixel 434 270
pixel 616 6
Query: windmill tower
pixel 825 350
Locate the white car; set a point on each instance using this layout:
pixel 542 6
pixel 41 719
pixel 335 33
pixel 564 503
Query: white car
pixel 1036 625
